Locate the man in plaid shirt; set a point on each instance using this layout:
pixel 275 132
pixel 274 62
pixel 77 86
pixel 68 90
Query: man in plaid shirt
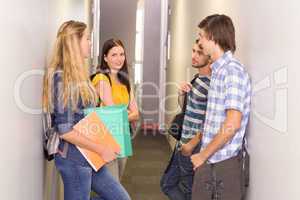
pixel 218 164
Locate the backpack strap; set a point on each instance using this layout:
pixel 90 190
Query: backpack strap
pixel 186 95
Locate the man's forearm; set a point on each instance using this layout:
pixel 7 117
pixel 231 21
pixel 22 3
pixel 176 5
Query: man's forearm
pixel 224 135
pixel 195 140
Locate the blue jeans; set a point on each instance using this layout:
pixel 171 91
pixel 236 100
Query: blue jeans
pixel 80 179
pixel 177 181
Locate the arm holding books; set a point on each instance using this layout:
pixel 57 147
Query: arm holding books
pixel 64 122
pixel 80 140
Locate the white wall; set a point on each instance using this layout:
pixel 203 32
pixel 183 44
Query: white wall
pixel 60 11
pixel 270 43
pixel 117 20
pixel 27 29
pixel 179 64
pixel 151 64
pixel 267 40
pixel 23 47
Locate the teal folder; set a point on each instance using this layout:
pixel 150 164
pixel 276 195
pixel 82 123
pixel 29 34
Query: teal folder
pixel 115 118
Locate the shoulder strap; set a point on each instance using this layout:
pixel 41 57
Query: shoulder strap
pixel 93 76
pixel 105 74
pixel 185 96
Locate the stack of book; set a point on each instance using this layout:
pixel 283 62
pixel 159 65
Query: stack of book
pixel 95 130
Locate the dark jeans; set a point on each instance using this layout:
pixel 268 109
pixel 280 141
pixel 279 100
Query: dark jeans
pixel 80 179
pixel 177 180
pixel 221 181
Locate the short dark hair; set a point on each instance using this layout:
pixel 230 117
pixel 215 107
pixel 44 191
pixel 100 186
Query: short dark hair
pixel 220 29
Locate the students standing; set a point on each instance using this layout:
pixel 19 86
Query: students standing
pixel 67 91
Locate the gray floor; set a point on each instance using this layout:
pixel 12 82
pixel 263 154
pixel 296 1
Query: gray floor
pixel 145 167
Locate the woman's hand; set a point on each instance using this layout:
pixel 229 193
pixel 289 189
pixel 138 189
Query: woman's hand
pixel 107 153
pixel 133 111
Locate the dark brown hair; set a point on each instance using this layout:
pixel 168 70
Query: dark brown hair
pixel 122 75
pixel 220 29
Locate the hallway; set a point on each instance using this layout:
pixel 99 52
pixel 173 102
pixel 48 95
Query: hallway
pixel 267 37
pixel 145 167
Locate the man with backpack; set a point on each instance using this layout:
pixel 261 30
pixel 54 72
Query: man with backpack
pixel 177 181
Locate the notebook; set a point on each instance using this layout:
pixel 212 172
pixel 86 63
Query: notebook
pixel 116 121
pixel 94 129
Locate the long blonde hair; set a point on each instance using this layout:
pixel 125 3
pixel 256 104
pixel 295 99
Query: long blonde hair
pixel 67 58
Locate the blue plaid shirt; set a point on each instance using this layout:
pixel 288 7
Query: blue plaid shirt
pixel 230 88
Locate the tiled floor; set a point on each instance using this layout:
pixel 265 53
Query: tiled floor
pixel 145 167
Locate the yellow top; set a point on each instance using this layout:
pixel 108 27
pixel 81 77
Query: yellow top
pixel 119 91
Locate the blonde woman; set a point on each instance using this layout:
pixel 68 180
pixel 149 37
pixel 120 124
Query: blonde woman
pixel 67 91
pixel 113 87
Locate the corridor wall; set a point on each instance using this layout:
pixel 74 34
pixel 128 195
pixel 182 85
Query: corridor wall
pixel 23 48
pixel 117 20
pixel 151 65
pixel 267 41
pixel 27 35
